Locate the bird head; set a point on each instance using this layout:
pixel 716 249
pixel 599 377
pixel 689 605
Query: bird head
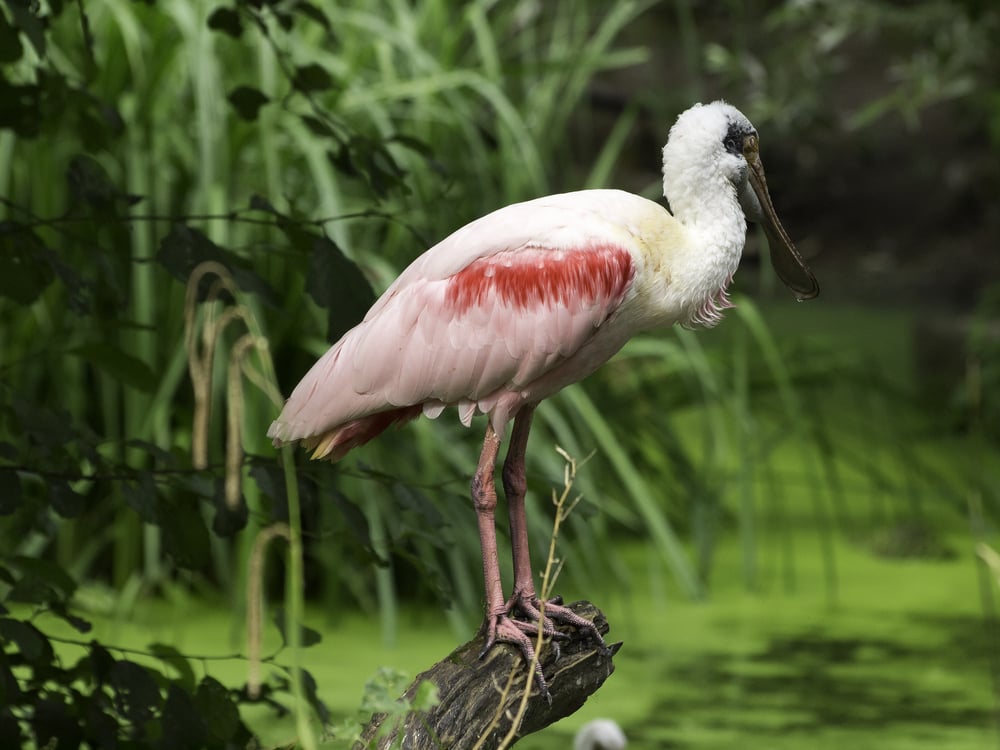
pixel 717 142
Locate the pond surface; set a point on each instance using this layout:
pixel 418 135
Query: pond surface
pixel 901 656
pixel 903 659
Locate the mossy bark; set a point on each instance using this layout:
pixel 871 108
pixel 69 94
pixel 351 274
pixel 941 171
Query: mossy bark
pixel 471 691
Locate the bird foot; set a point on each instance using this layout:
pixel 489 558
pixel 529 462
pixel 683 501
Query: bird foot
pixel 504 628
pixel 530 606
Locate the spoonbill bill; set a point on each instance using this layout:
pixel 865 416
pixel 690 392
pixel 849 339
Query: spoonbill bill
pixel 530 298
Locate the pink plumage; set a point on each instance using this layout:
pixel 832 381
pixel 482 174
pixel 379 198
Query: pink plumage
pixel 515 306
pixel 481 325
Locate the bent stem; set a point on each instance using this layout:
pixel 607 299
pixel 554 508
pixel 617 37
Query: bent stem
pixel 255 601
pixel 259 372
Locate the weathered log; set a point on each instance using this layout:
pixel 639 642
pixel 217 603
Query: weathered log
pixel 471 691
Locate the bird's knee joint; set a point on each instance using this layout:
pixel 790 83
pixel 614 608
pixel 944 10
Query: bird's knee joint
pixel 514 482
pixel 483 496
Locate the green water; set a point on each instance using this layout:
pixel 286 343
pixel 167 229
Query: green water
pixel 901 659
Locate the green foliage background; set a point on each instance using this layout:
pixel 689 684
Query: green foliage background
pixel 313 150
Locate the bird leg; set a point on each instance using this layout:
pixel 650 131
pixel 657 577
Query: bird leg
pixel 499 625
pixel 524 600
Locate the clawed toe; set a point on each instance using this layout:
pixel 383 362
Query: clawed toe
pixel 554 611
pixel 504 629
pixel 531 616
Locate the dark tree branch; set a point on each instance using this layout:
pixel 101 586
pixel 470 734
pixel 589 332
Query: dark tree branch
pixel 471 689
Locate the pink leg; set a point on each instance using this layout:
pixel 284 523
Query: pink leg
pixel 524 598
pixel 498 625
pixel 515 485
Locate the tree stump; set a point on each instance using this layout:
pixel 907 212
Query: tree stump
pixel 470 691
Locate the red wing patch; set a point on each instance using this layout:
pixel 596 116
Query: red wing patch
pixel 535 277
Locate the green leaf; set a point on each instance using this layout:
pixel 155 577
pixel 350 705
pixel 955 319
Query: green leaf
pixel 227 521
pixel 247 102
pixel 54 724
pixel 91 186
pixel 270 479
pixel 41 581
pixel 307 636
pixel 337 284
pixel 311 77
pixel 285 19
pixel 260 203
pixel 312 12
pixel 137 691
pixel 10 42
pixel 31 642
pixel 162 458
pixel 425 697
pixel 141 496
pixel 10 491
pixel 312 696
pixel 10 688
pixel 341 161
pixel 101 728
pixel 184 248
pixel 64 500
pixel 44 426
pixel 217 707
pixel 382 690
pixel 121 366
pixel 22 108
pixel 26 18
pixel 357 522
pixel 10 730
pixel 177 661
pixel 183 725
pixel 101 662
pixel 79 624
pixel 185 536
pixel 414 144
pixel 226 20
pixel 317 127
pixel 374 162
pixel 25 267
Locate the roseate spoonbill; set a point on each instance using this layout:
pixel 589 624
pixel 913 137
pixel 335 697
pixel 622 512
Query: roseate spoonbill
pixel 522 302
pixel 600 734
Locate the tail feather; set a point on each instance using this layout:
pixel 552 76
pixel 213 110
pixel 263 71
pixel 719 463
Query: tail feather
pixel 334 444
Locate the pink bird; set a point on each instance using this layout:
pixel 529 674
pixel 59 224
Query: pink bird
pixel 520 303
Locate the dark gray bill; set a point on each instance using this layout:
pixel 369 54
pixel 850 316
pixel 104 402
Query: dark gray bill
pixel 787 262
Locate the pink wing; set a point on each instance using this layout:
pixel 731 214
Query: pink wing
pixel 482 315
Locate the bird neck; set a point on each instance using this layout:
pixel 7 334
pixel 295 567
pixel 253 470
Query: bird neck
pixel 715 227
pixel 709 209
pixel 708 204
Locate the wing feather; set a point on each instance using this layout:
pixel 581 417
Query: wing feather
pixel 487 311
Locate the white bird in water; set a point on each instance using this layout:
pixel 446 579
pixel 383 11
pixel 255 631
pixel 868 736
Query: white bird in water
pixel 600 734
pixel 524 301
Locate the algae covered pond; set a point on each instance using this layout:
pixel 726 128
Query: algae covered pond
pixel 901 659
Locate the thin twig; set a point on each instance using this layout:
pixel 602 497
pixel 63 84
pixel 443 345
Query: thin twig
pixel 553 566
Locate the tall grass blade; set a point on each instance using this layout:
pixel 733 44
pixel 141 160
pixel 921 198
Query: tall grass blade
pixel 639 492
